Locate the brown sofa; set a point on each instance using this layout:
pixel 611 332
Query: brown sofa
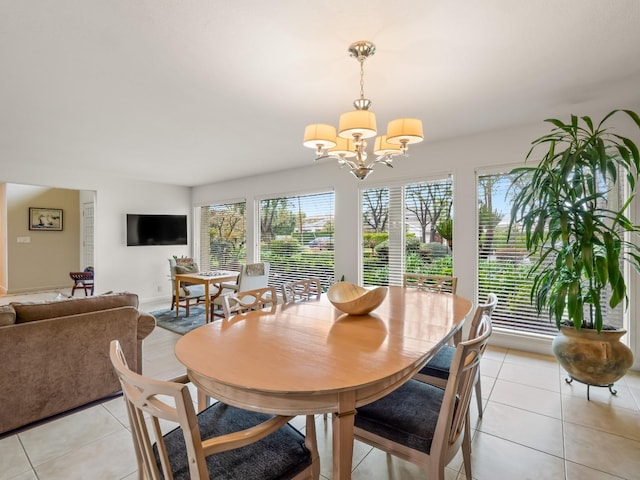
pixel 55 355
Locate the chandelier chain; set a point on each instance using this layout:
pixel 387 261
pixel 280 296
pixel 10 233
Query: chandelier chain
pixel 361 78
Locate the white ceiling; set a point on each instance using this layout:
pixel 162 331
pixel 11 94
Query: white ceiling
pixel 191 92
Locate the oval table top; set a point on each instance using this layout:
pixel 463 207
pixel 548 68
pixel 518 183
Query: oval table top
pixel 310 346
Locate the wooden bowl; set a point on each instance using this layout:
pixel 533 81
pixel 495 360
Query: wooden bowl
pixel 355 300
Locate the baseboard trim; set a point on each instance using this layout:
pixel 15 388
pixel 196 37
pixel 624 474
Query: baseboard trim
pixel 527 342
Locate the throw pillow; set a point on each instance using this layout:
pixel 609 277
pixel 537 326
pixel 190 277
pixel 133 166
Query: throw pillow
pixel 192 268
pixel 184 261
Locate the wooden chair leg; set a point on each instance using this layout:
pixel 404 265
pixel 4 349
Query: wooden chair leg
pixel 466 446
pixel 479 395
pixel 173 301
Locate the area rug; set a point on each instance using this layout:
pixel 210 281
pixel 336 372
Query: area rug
pixel 167 319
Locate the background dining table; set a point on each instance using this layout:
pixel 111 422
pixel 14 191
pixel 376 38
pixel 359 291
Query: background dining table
pixel 215 277
pixel 308 357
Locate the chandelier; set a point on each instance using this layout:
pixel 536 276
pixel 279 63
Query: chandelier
pixel 348 147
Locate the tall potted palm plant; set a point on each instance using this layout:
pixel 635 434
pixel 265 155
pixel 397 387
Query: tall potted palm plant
pixel 582 240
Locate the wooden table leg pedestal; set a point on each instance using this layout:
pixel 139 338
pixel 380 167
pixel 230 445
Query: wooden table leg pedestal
pixel 342 424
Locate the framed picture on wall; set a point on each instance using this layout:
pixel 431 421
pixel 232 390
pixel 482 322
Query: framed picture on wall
pixel 45 219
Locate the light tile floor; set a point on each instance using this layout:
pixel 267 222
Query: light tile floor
pixel 535 426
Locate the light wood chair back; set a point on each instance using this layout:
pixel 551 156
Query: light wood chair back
pixel 435 372
pixel 241 302
pixel 301 290
pixel 436 283
pixel 450 431
pixel 251 277
pixel 170 401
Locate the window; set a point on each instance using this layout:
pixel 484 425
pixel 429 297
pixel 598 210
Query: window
pixel 223 236
pixel 406 228
pixel 503 266
pixel 296 237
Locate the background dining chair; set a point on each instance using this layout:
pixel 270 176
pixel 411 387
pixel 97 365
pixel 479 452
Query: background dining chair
pixel 301 289
pixel 436 371
pixel 425 424
pixel 251 276
pixel 83 281
pixel 189 293
pixel 221 442
pixel 241 302
pixel 436 283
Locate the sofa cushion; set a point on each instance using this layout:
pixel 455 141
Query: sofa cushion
pixel 190 268
pixel 31 311
pixel 7 315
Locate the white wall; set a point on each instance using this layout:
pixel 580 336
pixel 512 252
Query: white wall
pixel 461 157
pixel 143 270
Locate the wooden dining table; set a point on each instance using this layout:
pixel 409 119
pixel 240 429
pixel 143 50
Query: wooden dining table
pixel 309 358
pixel 214 277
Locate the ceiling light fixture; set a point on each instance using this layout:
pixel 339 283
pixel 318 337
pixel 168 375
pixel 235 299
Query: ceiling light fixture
pixel 354 127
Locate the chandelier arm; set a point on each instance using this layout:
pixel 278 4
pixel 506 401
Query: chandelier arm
pixel 384 159
pixel 342 161
pixel 352 165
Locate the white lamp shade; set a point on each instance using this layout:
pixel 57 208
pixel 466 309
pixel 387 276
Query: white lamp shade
pixel 382 147
pixel 343 147
pixel 357 122
pixel 319 135
pixel 404 130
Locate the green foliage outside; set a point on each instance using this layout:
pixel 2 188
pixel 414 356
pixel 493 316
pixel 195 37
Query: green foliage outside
pixel 295 262
pixel 284 247
pixel 509 278
pixel 412 245
pixel 445 229
pixel 372 240
pixel 224 254
pixel 418 259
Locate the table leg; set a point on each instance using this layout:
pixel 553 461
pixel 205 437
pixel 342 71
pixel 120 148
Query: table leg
pixel 203 400
pixel 342 425
pixel 213 298
pixel 177 293
pixel 207 302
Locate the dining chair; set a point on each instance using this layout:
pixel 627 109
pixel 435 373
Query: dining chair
pixel 436 371
pixel 425 424
pixel 251 276
pixel 437 283
pixel 188 292
pixel 301 289
pixel 221 442
pixel 242 302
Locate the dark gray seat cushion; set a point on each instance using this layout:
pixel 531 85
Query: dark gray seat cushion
pixel 280 455
pixel 407 416
pixel 440 363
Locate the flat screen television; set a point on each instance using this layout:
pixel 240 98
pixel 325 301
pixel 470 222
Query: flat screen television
pixel 156 230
